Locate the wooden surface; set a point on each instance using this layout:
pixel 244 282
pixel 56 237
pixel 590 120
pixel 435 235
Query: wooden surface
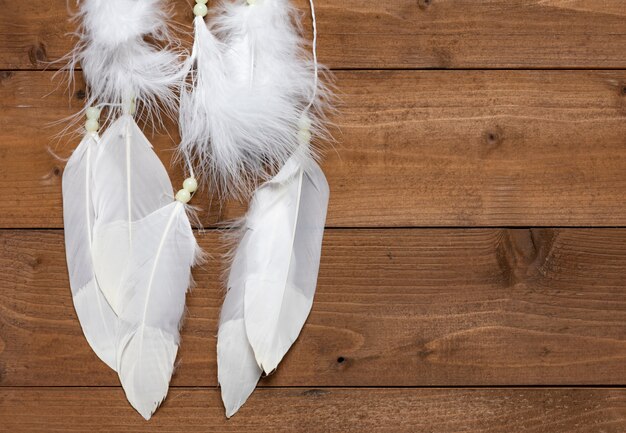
pixel 324 410
pixel 375 34
pixel 473 276
pixel 456 148
pixel 475 307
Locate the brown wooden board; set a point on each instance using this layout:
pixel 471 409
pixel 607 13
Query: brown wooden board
pixel 390 33
pixel 412 307
pixel 429 148
pixel 423 321
pixel 322 410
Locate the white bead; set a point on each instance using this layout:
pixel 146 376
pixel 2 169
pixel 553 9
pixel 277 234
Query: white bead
pixel 304 123
pixel 202 2
pixel 200 10
pixel 251 2
pixel 92 113
pixel 304 136
pixel 190 184
pixel 92 125
pixel 183 196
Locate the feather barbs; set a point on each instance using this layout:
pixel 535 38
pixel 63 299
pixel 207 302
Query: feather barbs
pixel 272 278
pixel 250 83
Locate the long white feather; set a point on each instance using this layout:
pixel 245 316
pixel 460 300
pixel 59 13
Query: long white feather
pixel 248 92
pixel 237 369
pixel 143 250
pixel 273 277
pixel 130 183
pixel 141 241
pixel 154 302
pixel 119 64
pixel 97 319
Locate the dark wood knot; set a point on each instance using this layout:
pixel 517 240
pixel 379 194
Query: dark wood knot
pixel 37 54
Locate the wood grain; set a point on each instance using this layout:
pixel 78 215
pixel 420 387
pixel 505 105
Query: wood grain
pixel 399 311
pixel 412 307
pixel 446 148
pixel 329 410
pixel 391 33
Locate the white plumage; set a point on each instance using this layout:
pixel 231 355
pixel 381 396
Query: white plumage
pixel 144 248
pixel 251 84
pixel 130 245
pixel 153 300
pixel 119 64
pixel 130 183
pixel 97 319
pixel 248 108
pixel 114 22
pixel 273 277
pixel 237 368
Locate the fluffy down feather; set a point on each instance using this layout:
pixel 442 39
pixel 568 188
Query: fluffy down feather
pixel 251 85
pixel 113 22
pixel 119 64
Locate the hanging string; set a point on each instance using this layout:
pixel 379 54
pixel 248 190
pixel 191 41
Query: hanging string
pixel 314 50
pixel 189 166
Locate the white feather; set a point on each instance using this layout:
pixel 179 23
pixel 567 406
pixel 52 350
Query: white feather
pixel 143 249
pixel 153 298
pixel 96 317
pixel 142 246
pixel 114 22
pixel 237 369
pixel 250 87
pixel 273 277
pixel 119 65
pixel 130 183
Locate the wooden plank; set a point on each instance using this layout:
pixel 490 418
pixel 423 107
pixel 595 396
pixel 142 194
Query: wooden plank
pixel 455 148
pixel 392 33
pixel 412 307
pixel 322 410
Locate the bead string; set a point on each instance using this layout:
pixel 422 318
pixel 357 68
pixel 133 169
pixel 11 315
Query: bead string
pixel 200 9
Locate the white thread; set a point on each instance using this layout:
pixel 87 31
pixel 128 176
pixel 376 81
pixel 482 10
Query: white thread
pixel 105 104
pixel 189 166
pixel 314 49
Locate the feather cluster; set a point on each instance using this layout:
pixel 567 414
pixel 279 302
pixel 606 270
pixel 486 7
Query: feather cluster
pixel 127 54
pixel 143 250
pixel 130 249
pixel 251 81
pixel 130 246
pixel 247 114
pixel 249 102
pixel 273 277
